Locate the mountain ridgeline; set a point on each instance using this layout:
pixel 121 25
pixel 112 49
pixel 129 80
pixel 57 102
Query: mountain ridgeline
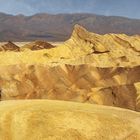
pixel 59 27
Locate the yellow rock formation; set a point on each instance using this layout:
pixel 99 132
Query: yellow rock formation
pixel 55 120
pixel 91 68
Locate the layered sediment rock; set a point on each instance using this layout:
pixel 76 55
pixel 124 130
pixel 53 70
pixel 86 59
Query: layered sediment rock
pixel 98 69
pixel 51 120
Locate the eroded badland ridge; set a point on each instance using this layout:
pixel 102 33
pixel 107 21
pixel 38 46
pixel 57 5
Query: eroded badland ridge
pixel 88 68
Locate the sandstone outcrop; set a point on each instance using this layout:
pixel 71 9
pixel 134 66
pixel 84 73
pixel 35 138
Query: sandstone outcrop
pixel 91 68
pixel 51 120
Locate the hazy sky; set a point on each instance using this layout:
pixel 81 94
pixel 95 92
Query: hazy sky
pixel 128 8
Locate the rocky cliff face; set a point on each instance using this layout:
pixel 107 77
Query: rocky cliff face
pixel 81 83
pixel 91 68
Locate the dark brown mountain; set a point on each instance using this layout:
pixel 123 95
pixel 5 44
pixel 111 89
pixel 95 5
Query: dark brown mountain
pixel 10 46
pixel 38 45
pixel 58 27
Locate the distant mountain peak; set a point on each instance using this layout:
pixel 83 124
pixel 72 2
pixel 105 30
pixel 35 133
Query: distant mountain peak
pixel 59 27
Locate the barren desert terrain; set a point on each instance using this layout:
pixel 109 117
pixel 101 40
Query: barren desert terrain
pixel 99 72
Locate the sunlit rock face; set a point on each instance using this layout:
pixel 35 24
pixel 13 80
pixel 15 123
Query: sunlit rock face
pixel 83 83
pixel 91 68
pixel 56 120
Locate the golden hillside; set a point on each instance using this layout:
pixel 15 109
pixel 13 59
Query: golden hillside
pixel 55 120
pixel 99 71
pixel 88 68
